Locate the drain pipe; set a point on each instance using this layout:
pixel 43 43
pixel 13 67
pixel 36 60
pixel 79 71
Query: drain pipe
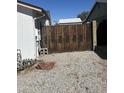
pixel 36 34
pixel 39 17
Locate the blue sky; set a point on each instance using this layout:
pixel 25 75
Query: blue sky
pixel 60 9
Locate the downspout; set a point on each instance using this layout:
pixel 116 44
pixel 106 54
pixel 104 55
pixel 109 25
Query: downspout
pixel 37 35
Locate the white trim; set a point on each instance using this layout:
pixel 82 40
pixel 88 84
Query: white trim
pixel 30 7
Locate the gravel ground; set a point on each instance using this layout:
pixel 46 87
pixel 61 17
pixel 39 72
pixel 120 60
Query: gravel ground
pixel 74 72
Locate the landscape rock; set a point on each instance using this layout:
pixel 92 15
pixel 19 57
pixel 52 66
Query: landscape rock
pixel 74 72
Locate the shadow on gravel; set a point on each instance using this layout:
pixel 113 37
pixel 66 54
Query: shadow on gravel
pixel 101 51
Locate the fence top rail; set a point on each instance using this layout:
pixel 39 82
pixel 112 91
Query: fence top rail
pixel 65 25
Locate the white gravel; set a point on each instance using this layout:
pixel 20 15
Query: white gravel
pixel 74 72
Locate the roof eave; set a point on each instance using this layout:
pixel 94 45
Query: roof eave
pixel 98 1
pixel 30 7
pixel 33 7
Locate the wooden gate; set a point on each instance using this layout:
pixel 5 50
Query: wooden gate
pixel 61 38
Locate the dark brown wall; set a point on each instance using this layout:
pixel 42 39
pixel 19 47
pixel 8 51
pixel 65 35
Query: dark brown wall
pixel 63 38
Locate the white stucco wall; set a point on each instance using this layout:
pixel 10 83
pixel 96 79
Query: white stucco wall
pixel 26 33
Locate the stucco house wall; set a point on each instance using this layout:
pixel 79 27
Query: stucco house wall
pixel 26 33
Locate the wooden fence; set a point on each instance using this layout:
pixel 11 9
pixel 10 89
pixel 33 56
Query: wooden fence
pixel 61 38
